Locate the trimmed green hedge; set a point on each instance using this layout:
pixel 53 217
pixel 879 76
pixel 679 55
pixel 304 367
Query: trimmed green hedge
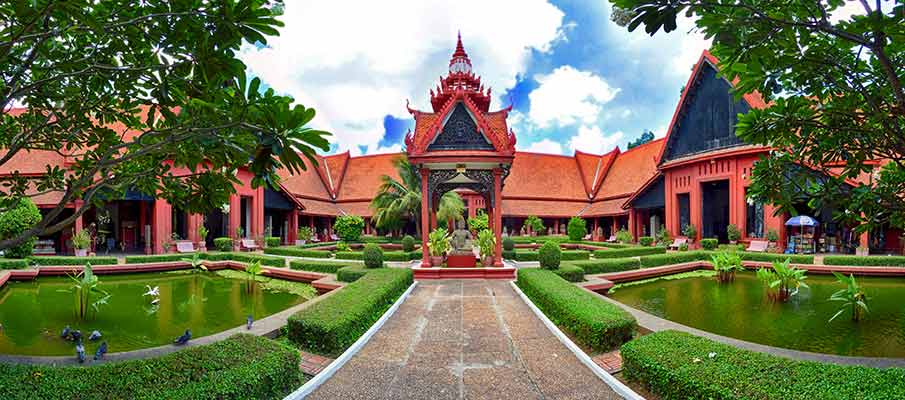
pixel 387 255
pixel 327 267
pixel 160 258
pixel 629 252
pixel 566 255
pixel 592 321
pixel 265 260
pixel 509 254
pixel 297 251
pixel 666 363
pixel 770 257
pixel 241 367
pixel 334 323
pixel 351 273
pixel 607 265
pixel 868 261
pixel 13 263
pixel 70 260
pixel 570 273
pixel 709 244
pixel 273 241
pixel 223 244
pixel 674 258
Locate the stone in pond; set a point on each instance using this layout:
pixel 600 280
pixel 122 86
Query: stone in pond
pixel 101 351
pixel 65 333
pixel 80 351
pixel 95 335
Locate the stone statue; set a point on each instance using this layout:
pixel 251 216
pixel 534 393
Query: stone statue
pixel 461 240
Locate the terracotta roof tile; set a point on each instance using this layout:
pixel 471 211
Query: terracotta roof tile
pixel 308 183
pixel 319 207
pixel 359 208
pixel 542 208
pixel 31 162
pixel 335 167
pixel 631 170
pixel 544 176
pixel 605 208
pixel 362 177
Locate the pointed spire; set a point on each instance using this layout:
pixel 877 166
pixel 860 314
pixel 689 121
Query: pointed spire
pixel 459 63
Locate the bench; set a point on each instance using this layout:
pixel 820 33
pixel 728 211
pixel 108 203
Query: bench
pixel 759 246
pixel 249 244
pixel 678 242
pixel 612 239
pixel 184 246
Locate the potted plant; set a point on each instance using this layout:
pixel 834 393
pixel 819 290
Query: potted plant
pixel 438 244
pixel 733 234
pixel 202 238
pixel 80 242
pixel 304 235
pixel 240 233
pixel 690 232
pixel 772 239
pixel 487 244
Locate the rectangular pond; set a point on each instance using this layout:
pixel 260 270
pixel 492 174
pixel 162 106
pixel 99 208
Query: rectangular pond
pixel 34 313
pixel 742 310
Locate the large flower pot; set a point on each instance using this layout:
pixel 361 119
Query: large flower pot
pixel 487 261
pixel 436 261
pixel 81 252
pixel 300 242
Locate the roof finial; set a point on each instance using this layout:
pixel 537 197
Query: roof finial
pixel 459 61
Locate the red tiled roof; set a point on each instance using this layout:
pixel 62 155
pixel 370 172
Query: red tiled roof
pixel 605 208
pixel 307 183
pixel 363 176
pixel 550 176
pixel 31 162
pixel 360 208
pixel 334 168
pixel 631 170
pixel 319 207
pixel 542 208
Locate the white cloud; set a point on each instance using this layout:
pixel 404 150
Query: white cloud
pixel 357 67
pixel 660 131
pixel 567 96
pixel 544 146
pixel 676 51
pixel 590 139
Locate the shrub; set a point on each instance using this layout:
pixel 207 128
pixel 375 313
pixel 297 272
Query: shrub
pixel 624 236
pixel 223 244
pixel 297 252
pixel 350 273
pixel 17 219
pixel 272 241
pixel 408 243
pixel 327 267
pixel 570 273
pixel 683 247
pixel 590 320
pixel 549 255
pixel 343 246
pixel 690 231
pixel 64 260
pixel 250 258
pixel 159 258
pixel 732 247
pixel 509 254
pixel 508 244
pixel 81 240
pixel 536 224
pixel 628 252
pixel 769 257
pixel 607 265
pixel 645 240
pixel 240 367
pixel 349 227
pixel 438 242
pixel 664 238
pixel 387 255
pixel 573 255
pixel 709 244
pixel 13 263
pixel 372 255
pixel 772 235
pixel 870 261
pixel 662 362
pixel 334 323
pixel 479 222
pixel 674 258
pixel 486 243
pixel 732 233
pixel 577 228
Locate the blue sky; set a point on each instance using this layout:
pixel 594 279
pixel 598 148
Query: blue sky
pixel 576 80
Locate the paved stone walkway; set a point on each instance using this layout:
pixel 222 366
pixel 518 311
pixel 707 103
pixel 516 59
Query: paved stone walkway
pixel 464 340
pixel 313 364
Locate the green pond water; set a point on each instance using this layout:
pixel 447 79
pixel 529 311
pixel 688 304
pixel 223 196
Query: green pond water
pixel 741 310
pixel 34 313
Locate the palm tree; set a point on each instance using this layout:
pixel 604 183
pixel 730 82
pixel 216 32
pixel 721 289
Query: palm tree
pixel 396 200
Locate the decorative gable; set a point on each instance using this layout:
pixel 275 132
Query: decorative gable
pixel 460 132
pixel 706 117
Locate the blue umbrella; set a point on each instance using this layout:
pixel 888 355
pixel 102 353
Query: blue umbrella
pixel 802 220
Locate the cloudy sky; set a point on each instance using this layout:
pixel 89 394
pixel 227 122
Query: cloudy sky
pixel 575 79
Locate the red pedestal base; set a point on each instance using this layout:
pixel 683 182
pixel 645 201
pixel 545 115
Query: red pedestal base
pixel 461 261
pixel 506 273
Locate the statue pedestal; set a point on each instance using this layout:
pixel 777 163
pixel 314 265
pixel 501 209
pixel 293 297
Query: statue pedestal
pixel 464 260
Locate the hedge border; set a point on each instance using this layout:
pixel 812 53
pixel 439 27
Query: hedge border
pixel 592 321
pixel 570 272
pixel 866 261
pixel 326 267
pixel 629 252
pixel 72 260
pixel 297 251
pixel 607 265
pixel 678 365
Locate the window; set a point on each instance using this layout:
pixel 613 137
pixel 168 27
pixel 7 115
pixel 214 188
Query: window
pixel 684 212
pixel 754 218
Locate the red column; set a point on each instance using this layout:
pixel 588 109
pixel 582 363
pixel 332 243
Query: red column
pixel 498 216
pixel 142 221
pixel 163 221
pixel 191 226
pixel 235 215
pixel 615 225
pixel 594 232
pixel 425 218
pixel 632 226
pixel 257 212
pixel 292 235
